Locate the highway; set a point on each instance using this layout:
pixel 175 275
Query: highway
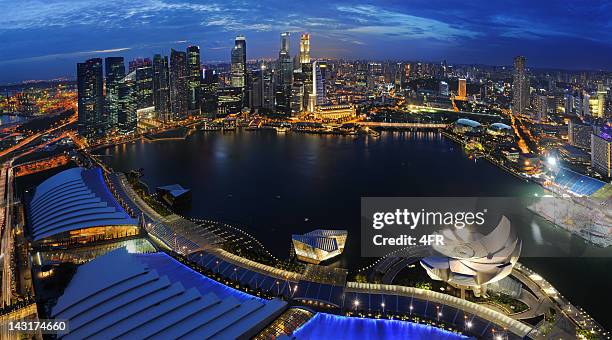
pixel 7 232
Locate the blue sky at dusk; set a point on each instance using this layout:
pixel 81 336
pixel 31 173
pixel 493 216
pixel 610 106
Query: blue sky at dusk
pixel 42 39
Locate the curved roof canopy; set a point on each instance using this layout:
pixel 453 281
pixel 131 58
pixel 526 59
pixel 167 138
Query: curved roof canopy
pixel 118 296
pixel 76 198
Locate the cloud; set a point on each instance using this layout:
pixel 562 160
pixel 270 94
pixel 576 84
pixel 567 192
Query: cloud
pixel 369 19
pixel 64 55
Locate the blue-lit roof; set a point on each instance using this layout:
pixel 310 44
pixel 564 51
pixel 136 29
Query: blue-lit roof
pixel 74 199
pixel 118 295
pixel 468 122
pixel 577 183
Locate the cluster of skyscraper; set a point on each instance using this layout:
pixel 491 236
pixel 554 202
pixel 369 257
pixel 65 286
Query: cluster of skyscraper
pixel 109 101
pixel 287 86
pixel 175 88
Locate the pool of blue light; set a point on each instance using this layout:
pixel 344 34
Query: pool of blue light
pixel 328 326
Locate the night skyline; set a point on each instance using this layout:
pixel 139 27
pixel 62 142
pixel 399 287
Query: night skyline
pixel 44 40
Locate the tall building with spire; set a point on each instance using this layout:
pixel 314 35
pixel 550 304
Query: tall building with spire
pixel 194 79
pixel 520 87
pixel 284 75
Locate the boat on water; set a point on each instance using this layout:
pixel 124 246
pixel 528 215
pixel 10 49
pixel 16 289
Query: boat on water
pixel 280 129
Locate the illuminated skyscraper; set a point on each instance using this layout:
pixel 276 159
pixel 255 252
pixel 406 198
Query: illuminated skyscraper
pixel 161 86
pixel 144 83
pixel 284 77
pixel 128 97
pixel 114 69
pixel 601 100
pixel 520 87
pixel 194 79
pixel 178 83
pixel 305 49
pixel 601 151
pixel 444 90
pixel 91 98
pixel 317 96
pixel 238 68
pixel 462 89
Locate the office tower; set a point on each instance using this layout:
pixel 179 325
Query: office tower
pixel 305 49
pixel 297 98
pixel 579 135
pixel 210 84
pixel 91 119
pixel 317 96
pixel 601 151
pixel 128 103
pixel 161 87
pixel 194 75
pixel 374 75
pixel 601 100
pixel 284 77
pixel 238 67
pixel 444 89
pixel 461 89
pixel 144 83
pixel 520 87
pixel 568 103
pixel 114 72
pixel 541 108
pixel 263 88
pixel 178 84
pixel 586 105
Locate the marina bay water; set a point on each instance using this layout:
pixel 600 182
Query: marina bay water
pixel 275 185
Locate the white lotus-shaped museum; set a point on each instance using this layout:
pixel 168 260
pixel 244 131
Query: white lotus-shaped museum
pixel 471 260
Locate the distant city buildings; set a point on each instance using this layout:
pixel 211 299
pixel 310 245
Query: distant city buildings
pixel 461 89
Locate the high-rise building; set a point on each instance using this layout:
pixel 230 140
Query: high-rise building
pixel 601 151
pixel 601 100
pixel 444 89
pixel 263 88
pixel 144 83
pixel 178 83
pixel 128 103
pixel 90 85
pixel 305 49
pixel 579 134
pixel 284 76
pixel 114 69
pixel 161 86
pixel 520 87
pixel 194 81
pixel 317 96
pixel 210 85
pixel 238 67
pixel 462 89
pixel 541 107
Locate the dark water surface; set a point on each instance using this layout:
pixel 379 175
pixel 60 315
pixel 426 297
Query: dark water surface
pixel 278 185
